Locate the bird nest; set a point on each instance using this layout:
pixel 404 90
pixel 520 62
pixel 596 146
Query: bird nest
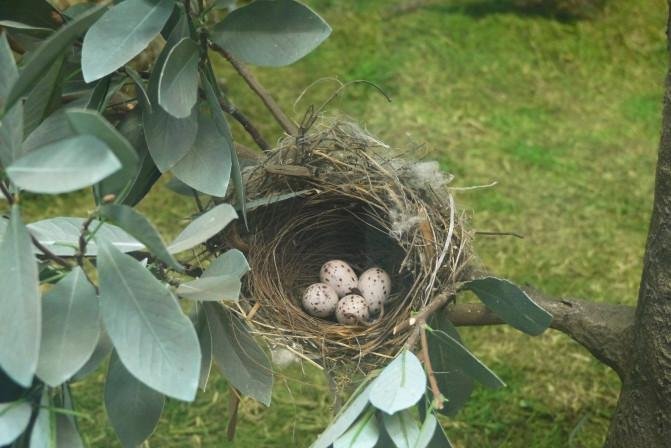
pixel 338 193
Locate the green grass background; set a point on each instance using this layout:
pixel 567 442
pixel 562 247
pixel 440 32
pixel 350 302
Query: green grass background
pixel 563 115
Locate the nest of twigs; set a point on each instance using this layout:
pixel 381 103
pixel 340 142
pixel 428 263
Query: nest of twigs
pixel 338 193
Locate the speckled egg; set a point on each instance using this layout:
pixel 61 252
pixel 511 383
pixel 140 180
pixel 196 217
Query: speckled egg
pixel 340 276
pixel 352 309
pixel 375 286
pixel 320 300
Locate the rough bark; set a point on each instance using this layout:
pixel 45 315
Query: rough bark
pixel 606 330
pixel 643 414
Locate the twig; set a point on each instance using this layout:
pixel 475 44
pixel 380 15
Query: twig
pixel 233 406
pixel 6 194
pixel 83 241
pixel 438 398
pixel 423 315
pixel 284 121
pixel 246 124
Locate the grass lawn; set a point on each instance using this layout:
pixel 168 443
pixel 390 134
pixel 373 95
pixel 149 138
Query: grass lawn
pixel 563 115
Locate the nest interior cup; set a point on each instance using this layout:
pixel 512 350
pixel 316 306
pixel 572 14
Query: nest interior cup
pixel 338 193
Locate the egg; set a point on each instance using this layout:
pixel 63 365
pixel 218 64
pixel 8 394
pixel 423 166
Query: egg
pixel 375 286
pixel 340 276
pixel 320 300
pixel 352 309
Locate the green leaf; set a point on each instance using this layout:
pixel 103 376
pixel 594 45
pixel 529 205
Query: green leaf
pixel 138 226
pixel 363 434
pixel 102 350
pixel 67 433
pixel 223 287
pixel 347 415
pixel 439 439
pixel 400 384
pixel 207 165
pixel 511 304
pixel 32 12
pixel 199 320
pixel 155 340
pixel 70 328
pixel 88 122
pixel 51 49
pixel 225 131
pixel 54 128
pixel 147 173
pixel 178 82
pixel 98 95
pixel 140 90
pixel 232 262
pixel 238 356
pixel 402 429
pixel 64 166
pixel 61 236
pixel 427 432
pixel 453 383
pixel 123 32
pixel 463 359
pixel 45 96
pixel 11 125
pixel 168 138
pixel 271 33
pixel 20 311
pixel 40 436
pixel 203 228
pixel 14 418
pixel 132 408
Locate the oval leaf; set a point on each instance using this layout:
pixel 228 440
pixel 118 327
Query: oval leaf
pixel 20 311
pixel 155 340
pixel 347 415
pixel 453 383
pixel 199 320
pixel 120 34
pixel 64 166
pixel 400 384
pixel 215 288
pixel 363 434
pixel 203 228
pixel 61 236
pixel 132 408
pixel 70 328
pixel 464 360
pixel 137 225
pixel 88 122
pixel 207 165
pixel 40 60
pixel 40 436
pixel 427 432
pixel 178 82
pixel 511 304
pixel 238 356
pixel 271 33
pixel 14 418
pixel 11 126
pixel 232 262
pixel 402 429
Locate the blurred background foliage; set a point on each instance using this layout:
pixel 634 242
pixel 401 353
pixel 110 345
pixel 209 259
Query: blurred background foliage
pixel 557 101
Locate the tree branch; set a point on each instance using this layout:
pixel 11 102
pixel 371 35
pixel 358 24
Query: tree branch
pixel 284 121
pixel 246 124
pixel 606 330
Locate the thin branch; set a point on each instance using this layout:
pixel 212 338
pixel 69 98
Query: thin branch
pixel 246 124
pixel 284 121
pixel 606 330
pixel 233 406
pixel 438 398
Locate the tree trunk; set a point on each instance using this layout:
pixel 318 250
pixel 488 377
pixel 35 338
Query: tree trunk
pixel 643 414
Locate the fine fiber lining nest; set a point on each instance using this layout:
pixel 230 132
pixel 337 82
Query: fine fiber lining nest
pixel 338 193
